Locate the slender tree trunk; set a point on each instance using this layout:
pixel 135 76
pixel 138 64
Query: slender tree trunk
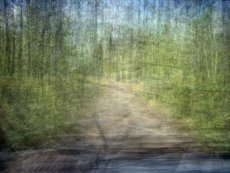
pixel 20 51
pixel 13 51
pixel 7 53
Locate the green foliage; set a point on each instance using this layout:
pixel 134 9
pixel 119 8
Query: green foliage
pixel 187 71
pixel 51 56
pixel 33 112
pixel 44 72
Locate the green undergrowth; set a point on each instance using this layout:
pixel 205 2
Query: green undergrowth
pixel 34 111
pixel 204 114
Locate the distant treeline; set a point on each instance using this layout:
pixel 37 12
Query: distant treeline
pixel 179 52
pixel 46 72
pixel 53 53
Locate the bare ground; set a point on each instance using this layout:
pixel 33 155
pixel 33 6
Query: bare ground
pixel 120 121
pixel 118 125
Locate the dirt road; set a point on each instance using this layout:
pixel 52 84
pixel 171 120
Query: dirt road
pixel 121 122
pixel 120 134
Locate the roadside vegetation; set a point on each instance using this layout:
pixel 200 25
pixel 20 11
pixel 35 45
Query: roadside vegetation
pixel 53 55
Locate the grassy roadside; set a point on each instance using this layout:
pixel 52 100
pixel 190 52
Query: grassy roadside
pixel 211 133
pixel 35 112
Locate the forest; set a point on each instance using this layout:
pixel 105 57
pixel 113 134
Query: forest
pixel 55 57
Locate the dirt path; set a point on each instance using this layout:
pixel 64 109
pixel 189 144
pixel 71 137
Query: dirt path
pixel 122 122
pixel 120 134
